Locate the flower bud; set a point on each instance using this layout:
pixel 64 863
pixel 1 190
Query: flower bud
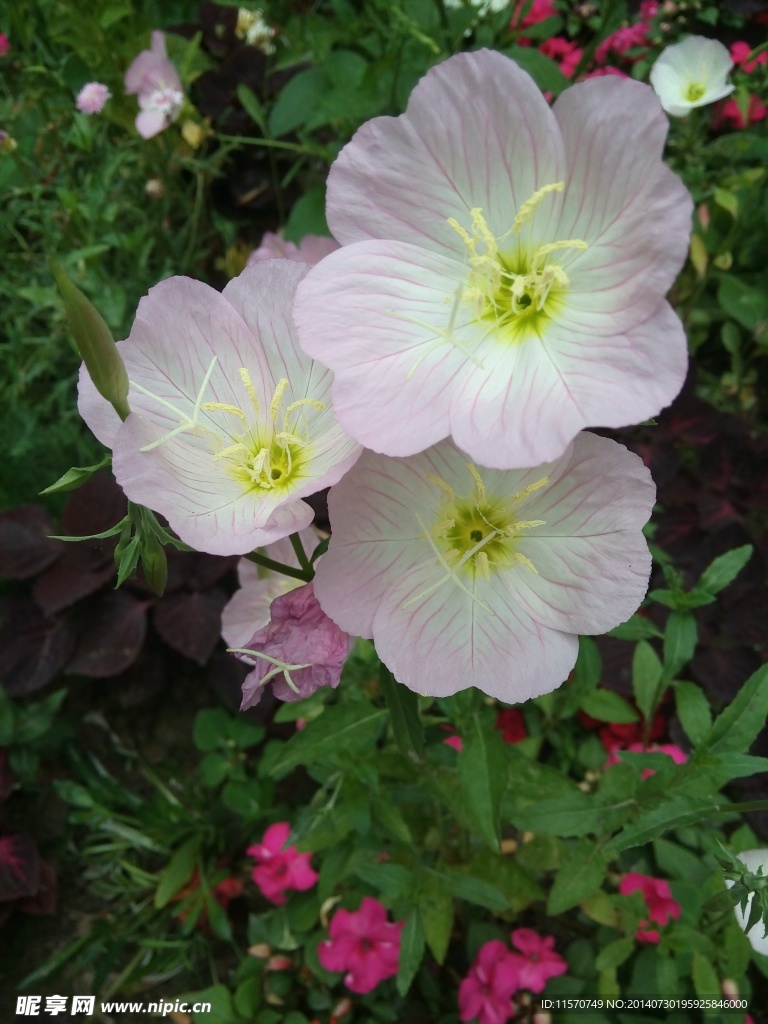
pixel 279 963
pixel 341 1008
pixel 260 951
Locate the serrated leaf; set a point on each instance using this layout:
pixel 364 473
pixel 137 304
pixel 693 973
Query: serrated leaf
pixel 693 710
pixel 739 724
pixel 676 812
pixel 482 772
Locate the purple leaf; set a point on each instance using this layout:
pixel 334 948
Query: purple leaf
pixel 19 866
pixel 112 636
pixel 25 547
pixel 191 623
pixel 33 648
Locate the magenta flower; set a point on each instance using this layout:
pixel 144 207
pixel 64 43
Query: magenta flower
pixel 277 869
pixel 92 98
pixel 231 423
pixel 299 650
pixel 536 960
pixel 486 992
pixel 311 249
pixel 466 576
pixel 678 756
pixel 503 266
pixel 364 943
pixel 4 44
pixel 156 83
pixel 658 899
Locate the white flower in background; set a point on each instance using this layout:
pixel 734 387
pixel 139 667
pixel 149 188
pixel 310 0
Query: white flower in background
pixel 758 940
pixel 691 74
pixel 482 6
pixel 254 30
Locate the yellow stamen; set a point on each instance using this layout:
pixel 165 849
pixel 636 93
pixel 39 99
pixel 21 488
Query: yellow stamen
pixel 530 205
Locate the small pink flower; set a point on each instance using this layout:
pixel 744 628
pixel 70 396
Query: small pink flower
pixel 454 740
pixel 739 53
pixel 4 44
pixel 302 649
pixel 156 83
pixel 536 961
pixel 535 12
pixel 512 725
pixel 607 70
pixel 658 899
pixel 311 249
pixel 364 943
pixel 648 10
pixel 486 991
pixel 566 53
pixel 729 115
pixel 678 756
pixel 92 98
pixel 278 869
pixel 623 39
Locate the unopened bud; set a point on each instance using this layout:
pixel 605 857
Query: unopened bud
pixel 193 134
pixel 730 988
pixel 279 963
pixel 274 1000
pixel 95 343
pixel 154 562
pixel 260 951
pixel 542 1017
pixel 155 188
pixel 342 1007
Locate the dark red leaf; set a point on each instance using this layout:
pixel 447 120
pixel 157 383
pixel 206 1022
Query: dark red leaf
pixel 69 580
pixel 94 508
pixel 33 648
pixel 45 899
pixel 7 778
pixel 191 623
pixel 25 547
pixel 19 866
pixel 114 627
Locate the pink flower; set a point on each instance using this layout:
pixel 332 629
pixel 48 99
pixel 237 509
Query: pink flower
pixel 535 11
pixel 658 899
pixel 454 740
pixel 729 115
pixel 155 81
pixel 566 53
pixel 466 576
pixel 512 725
pixel 5 44
pixel 627 38
pixel 503 266
pixel 364 943
pixel 649 9
pixel 607 70
pixel 277 869
pixel 486 992
pixel 536 962
pixel 299 651
pixel 92 98
pixel 311 249
pixel 231 423
pixel 739 53
pixel 678 756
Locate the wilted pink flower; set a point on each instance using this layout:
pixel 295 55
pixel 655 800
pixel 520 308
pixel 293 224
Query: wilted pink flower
pixel 503 266
pixel 311 249
pixel 92 98
pixel 4 44
pixel 566 53
pixel 729 115
pixel 739 53
pixel 466 576
pixel 277 869
pixel 248 609
pixel 628 38
pixel 364 943
pixel 299 651
pixel 536 960
pixel 156 83
pixel 678 756
pixel 511 724
pixel 231 423
pixel 658 899
pixel 486 992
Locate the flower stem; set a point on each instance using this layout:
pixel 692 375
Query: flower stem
pixel 287 570
pixel 301 554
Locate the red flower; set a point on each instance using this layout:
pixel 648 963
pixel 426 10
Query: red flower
pixel 658 899
pixel 512 725
pixel 729 115
pixel 566 53
pixel 739 53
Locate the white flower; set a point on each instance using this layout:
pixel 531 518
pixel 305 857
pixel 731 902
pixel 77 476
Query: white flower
pixel 758 940
pixel 691 74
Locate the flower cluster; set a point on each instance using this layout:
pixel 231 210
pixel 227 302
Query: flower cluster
pixel 658 898
pixel 496 284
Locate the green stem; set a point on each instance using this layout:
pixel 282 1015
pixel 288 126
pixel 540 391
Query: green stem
pixel 286 570
pixel 301 554
pixel 292 147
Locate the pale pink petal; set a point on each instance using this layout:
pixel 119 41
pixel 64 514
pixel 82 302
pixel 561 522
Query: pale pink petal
pixel 477 133
pixel 248 609
pixel 150 123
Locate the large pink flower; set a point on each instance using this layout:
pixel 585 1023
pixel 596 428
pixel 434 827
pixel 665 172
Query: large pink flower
pixel 503 266
pixel 535 960
pixel 298 651
pixel 364 943
pixel 486 992
pixel 279 869
pixel 659 900
pixel 155 81
pixel 231 423
pixel 471 577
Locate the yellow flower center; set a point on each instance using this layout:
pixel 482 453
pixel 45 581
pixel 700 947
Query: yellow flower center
pixel 694 91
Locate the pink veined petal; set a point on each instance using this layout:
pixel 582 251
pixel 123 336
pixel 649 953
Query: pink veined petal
pixel 248 609
pixel 150 123
pixel 356 313
pixel 621 199
pixel 99 415
pixel 402 178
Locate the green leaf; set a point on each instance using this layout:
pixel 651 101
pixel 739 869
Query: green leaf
pixel 693 710
pixel 680 636
pixel 297 100
pixel 178 872
pixel 473 890
pixel 411 952
pixel 77 476
pixel 725 569
pixel 213 769
pixel 545 72
pixel 676 812
pixel 747 305
pixel 393 881
pixel 636 628
pixel 482 772
pixel 737 727
pixel 646 676
pixel 341 728
pixel 404 716
pixel 252 106
pixel 390 819
pixel 706 982
pixel 614 954
pixel 579 814
pixel 607 706
pixel 211 729
pixel 580 875
pixel 435 905
pixel 307 217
